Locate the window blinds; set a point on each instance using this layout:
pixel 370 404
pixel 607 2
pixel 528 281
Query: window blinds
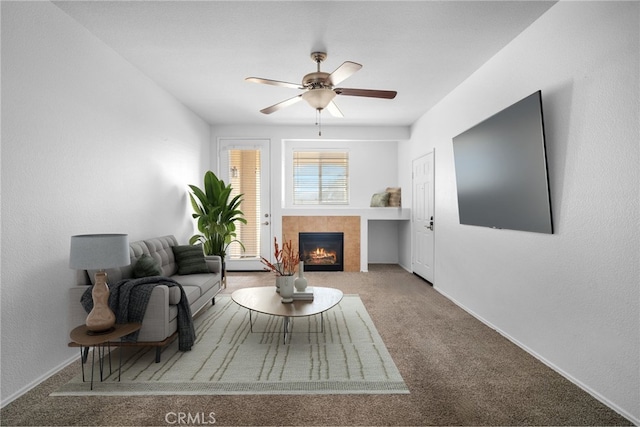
pixel 245 179
pixel 320 177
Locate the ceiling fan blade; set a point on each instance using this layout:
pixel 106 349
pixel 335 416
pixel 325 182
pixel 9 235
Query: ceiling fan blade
pixel 273 82
pixel 369 93
pixel 342 72
pixel 333 109
pixel 281 105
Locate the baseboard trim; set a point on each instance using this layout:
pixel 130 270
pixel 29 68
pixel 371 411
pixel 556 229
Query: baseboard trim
pixel 580 384
pixel 407 268
pixel 38 381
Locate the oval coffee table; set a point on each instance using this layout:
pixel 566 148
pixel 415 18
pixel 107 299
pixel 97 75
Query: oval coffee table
pixel 265 299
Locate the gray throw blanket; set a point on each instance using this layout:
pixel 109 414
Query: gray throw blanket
pixel 129 298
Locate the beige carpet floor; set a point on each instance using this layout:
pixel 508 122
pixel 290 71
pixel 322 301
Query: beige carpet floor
pixel 458 371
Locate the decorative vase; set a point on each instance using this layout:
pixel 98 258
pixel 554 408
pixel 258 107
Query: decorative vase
pixel 279 281
pixel 278 278
pixel 301 281
pixel 286 289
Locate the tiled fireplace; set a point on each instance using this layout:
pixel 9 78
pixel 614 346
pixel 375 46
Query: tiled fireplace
pixel 349 226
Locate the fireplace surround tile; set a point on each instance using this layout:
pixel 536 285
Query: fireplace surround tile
pixel 349 225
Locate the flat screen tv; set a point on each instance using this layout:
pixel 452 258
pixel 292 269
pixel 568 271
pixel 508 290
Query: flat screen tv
pixel 501 170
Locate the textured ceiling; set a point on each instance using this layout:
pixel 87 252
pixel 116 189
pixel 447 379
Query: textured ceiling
pixel 202 51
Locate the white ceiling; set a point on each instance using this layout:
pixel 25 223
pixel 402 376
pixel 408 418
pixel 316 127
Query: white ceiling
pixel 202 51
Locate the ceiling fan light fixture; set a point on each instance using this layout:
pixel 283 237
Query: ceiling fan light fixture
pixel 319 98
pixel 320 88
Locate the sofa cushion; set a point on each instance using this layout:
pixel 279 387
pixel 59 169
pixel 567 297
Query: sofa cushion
pixel 198 284
pixel 146 266
pixel 192 293
pixel 190 259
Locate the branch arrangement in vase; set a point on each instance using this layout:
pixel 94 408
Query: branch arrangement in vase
pixel 285 259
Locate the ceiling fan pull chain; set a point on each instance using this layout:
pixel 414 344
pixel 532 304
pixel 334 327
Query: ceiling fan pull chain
pixel 319 121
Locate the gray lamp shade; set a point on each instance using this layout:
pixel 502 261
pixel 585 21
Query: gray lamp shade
pixel 99 251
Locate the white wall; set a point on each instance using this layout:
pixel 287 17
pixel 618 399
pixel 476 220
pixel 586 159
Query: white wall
pixel 571 298
pixel 384 242
pixel 89 145
pixel 372 156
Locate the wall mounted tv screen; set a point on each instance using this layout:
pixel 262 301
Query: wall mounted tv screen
pixel 501 170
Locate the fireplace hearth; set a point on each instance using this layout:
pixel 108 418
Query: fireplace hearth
pixel 322 251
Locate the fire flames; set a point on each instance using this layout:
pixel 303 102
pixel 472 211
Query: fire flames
pixel 321 256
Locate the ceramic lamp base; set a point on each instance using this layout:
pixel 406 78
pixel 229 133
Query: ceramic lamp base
pixel 101 319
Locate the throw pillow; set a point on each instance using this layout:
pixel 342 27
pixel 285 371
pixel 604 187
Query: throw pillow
pixel 394 196
pixel 146 266
pixel 190 259
pixel 380 200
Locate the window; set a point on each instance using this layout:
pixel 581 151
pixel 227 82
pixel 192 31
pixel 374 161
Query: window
pixel 320 178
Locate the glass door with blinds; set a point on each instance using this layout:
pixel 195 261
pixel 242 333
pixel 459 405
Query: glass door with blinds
pixel 245 165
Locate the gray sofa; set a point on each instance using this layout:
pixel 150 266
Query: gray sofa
pixel 160 322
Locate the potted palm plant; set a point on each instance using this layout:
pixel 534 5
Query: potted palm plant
pixel 216 216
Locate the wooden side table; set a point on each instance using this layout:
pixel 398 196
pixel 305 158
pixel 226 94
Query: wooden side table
pixel 80 338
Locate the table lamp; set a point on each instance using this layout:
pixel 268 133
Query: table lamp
pixel 99 252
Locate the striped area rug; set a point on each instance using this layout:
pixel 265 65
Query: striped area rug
pixel 348 357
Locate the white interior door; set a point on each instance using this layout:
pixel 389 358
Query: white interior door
pixel 423 217
pixel 245 165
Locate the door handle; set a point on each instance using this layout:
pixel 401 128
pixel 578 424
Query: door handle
pixel 430 226
pixel 265 223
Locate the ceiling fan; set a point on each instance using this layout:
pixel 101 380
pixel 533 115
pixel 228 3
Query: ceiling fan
pixel 320 87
